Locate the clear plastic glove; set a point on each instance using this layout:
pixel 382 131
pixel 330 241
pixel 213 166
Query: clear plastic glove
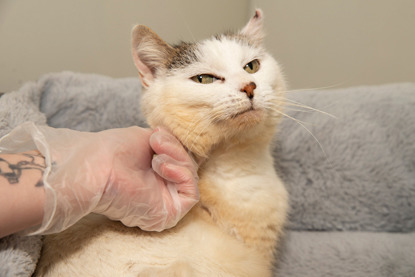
pixel 114 172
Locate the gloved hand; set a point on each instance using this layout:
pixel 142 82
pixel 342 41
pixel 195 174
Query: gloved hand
pixel 113 172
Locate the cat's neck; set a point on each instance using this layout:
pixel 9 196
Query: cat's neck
pixel 236 147
pixel 247 156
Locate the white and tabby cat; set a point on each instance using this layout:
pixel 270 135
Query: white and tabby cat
pixel 222 98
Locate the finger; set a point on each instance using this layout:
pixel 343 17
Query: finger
pixel 173 170
pixel 163 142
pixel 187 185
pixel 183 199
pixel 184 196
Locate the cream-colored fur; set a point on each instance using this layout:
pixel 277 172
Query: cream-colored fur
pixel 235 228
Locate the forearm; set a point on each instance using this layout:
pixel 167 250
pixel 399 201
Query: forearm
pixel 22 194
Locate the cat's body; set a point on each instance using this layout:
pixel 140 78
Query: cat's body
pixel 235 228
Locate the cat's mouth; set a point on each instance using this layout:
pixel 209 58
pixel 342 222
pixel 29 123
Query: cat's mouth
pixel 247 117
pixel 250 109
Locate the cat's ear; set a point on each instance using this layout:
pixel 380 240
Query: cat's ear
pixel 253 30
pixel 150 53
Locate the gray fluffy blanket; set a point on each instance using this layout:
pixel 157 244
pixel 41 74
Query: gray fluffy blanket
pixel 352 185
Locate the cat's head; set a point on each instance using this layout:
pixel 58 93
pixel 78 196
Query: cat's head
pixel 226 89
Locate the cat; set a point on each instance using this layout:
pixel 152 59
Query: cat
pixel 222 98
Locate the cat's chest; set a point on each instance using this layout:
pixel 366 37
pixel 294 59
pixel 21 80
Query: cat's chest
pixel 240 177
pixel 244 197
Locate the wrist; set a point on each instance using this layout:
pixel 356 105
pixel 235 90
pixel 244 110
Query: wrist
pixel 22 193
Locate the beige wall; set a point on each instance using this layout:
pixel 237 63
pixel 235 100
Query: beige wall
pixel 320 43
pixel 41 36
pixel 325 43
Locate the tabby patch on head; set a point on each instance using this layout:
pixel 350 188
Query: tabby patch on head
pixel 219 89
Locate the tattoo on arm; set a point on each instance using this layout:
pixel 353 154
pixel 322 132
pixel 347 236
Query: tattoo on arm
pixel 13 171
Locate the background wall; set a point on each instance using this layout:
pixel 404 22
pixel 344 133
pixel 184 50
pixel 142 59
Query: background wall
pixel 94 36
pixel 320 43
pixel 324 43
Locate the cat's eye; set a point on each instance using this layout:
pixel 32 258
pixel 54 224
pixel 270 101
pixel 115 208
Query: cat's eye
pixel 252 66
pixel 204 79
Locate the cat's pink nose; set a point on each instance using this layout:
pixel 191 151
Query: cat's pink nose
pixel 249 89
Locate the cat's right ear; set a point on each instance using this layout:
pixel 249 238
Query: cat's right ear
pixel 150 53
pixel 254 29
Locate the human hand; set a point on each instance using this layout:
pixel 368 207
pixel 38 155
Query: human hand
pixel 115 173
pixel 150 191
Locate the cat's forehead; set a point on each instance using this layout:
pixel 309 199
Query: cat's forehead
pixel 227 48
pixel 184 55
pixel 217 50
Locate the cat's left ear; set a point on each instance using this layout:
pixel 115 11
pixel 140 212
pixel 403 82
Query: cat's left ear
pixel 254 30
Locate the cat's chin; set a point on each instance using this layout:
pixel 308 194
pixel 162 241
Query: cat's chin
pixel 246 119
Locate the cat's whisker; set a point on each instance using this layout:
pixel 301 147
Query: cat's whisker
pixel 288 116
pixel 208 119
pixel 294 109
pixel 302 124
pixel 290 102
pixel 193 125
pixel 315 88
